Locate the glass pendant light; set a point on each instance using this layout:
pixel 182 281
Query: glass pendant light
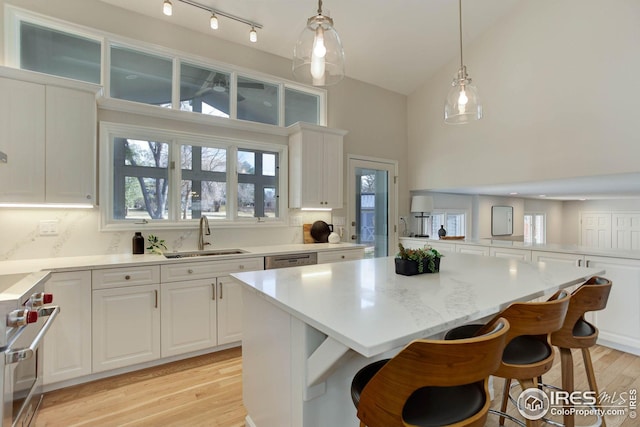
pixel 318 56
pixel 463 103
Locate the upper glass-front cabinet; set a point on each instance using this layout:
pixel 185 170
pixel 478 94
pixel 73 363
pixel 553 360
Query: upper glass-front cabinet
pixel 140 73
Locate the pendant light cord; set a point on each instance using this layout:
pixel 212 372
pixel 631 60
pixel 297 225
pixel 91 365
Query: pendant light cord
pixel 460 26
pixel 319 7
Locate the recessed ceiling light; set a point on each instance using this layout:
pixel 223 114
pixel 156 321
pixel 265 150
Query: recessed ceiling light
pixel 543 195
pixel 513 194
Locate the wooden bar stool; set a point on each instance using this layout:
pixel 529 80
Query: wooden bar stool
pixel 528 353
pixel 431 382
pixel 578 333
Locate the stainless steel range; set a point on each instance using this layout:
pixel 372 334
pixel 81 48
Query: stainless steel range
pixel 25 321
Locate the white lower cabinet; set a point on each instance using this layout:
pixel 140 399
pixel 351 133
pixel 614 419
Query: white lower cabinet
pixel 338 256
pixel 126 326
pixel 619 323
pixel 67 345
pixel 188 316
pixel 229 300
pixel 519 254
pixel 471 249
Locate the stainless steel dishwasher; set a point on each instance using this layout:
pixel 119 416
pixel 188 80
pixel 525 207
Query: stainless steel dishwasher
pixel 290 260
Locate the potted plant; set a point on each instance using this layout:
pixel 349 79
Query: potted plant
pixel 417 261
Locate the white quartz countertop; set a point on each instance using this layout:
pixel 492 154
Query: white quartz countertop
pixel 123 260
pixel 548 247
pixel 369 308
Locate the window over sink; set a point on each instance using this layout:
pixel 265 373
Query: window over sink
pixel 168 179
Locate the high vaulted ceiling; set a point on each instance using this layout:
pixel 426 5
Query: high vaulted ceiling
pixel 396 45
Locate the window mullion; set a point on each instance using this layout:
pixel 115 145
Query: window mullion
pixel 174 175
pixel 232 183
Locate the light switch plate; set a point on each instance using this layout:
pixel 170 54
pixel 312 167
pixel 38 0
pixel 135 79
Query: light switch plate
pixel 48 227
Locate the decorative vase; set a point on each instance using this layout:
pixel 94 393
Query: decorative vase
pixel 408 267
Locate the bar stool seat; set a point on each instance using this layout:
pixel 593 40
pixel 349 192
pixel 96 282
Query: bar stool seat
pixel 577 333
pixel 528 353
pixel 430 383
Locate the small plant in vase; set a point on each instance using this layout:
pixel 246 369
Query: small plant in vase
pixel 156 245
pixel 417 261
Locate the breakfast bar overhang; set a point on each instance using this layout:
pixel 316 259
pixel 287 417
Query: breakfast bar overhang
pixel 307 330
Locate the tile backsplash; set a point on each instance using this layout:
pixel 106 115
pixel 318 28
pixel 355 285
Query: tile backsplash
pixel 21 236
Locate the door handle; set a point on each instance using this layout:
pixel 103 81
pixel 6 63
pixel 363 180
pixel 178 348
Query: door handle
pixel 220 291
pixel 353 237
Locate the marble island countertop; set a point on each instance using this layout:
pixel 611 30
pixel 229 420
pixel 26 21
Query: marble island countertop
pixel 123 260
pixel 548 247
pixel 367 307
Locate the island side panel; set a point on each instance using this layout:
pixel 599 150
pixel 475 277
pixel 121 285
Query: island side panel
pixel 266 362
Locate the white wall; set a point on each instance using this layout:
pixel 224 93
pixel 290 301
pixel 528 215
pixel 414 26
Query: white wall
pixel 374 117
pixel 557 81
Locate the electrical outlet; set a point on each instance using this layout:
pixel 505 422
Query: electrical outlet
pixel 48 227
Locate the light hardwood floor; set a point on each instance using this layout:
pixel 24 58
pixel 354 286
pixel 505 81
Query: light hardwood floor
pixel 207 391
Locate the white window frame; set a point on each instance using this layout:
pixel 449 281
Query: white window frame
pixel 533 216
pixel 13 15
pixel 109 130
pixel 447 212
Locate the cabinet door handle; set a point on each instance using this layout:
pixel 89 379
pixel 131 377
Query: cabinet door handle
pixel 213 291
pixel 127 277
pixel 241 266
pixel 220 291
pixel 190 271
pixel 156 291
pixel 579 263
pixel 588 263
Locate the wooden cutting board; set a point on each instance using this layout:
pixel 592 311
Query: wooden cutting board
pixel 306 233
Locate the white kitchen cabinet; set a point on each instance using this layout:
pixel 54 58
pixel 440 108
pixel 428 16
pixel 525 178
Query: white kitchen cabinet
pixel 619 322
pixel 315 167
pixel 22 129
pixel 47 129
pixel 440 246
pixel 188 316
pixel 511 253
pixel 229 300
pixel 471 249
pixel 71 146
pixel 67 345
pixel 561 257
pixel 340 255
pixel 224 324
pixel 126 326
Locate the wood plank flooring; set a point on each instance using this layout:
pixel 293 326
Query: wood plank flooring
pixel 207 391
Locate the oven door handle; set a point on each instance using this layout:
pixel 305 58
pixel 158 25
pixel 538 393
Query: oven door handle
pixel 16 356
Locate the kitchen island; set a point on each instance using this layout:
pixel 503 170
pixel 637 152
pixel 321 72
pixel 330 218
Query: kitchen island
pixel 307 330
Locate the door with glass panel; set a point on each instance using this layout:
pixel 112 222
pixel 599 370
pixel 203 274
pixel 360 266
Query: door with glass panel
pixel 372 205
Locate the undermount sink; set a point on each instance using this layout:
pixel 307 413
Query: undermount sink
pixel 204 253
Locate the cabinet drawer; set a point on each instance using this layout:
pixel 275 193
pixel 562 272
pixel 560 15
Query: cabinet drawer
pixel 129 276
pixel 337 256
pixel 208 269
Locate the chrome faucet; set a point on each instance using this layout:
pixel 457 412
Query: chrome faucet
pixel 204 231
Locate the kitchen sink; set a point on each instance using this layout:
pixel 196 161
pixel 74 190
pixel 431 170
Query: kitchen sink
pixel 204 253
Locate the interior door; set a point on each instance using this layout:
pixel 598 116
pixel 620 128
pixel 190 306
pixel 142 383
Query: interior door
pixel 372 205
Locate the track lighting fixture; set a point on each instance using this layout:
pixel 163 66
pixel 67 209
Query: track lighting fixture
pixel 213 21
pixel 167 9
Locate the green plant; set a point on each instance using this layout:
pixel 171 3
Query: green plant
pixel 155 244
pixel 426 255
